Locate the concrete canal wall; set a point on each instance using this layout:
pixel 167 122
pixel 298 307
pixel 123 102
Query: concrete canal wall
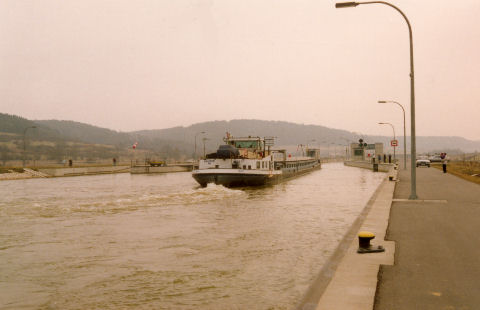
pixel 166 169
pixel 75 171
pixel 349 280
pixel 78 171
pixel 382 167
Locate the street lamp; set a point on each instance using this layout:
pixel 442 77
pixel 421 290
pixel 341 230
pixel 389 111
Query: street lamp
pixel 334 151
pixel 341 147
pixel 347 147
pixel 204 139
pixel 312 141
pixel 413 190
pixel 404 132
pixel 394 138
pixel 195 151
pixel 24 144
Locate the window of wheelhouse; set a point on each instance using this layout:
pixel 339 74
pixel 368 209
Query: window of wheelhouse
pixel 246 144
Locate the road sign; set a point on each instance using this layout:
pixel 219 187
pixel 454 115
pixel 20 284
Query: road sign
pixel 394 143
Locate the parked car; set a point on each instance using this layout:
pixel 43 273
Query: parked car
pixel 423 162
pixel 157 163
pixel 435 159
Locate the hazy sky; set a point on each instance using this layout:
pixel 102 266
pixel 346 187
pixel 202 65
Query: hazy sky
pixel 149 64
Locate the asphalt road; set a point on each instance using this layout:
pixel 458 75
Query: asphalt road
pixel 437 256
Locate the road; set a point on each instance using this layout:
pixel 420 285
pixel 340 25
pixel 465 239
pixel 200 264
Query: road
pixel 437 263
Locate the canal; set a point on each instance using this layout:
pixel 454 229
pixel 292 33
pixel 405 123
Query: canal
pixel 161 242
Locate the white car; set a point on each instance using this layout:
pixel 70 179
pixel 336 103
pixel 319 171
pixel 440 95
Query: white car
pixel 435 158
pixel 423 162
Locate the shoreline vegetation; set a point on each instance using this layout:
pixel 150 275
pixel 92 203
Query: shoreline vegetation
pixel 467 170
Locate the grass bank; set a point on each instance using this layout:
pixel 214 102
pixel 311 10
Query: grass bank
pixel 468 170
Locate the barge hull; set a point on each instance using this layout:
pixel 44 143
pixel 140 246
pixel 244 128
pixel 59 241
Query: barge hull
pixel 235 180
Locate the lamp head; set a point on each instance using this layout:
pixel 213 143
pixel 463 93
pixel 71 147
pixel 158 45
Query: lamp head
pixel 339 5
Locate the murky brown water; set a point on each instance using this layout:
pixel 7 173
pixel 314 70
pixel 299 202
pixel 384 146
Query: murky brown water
pixel 161 242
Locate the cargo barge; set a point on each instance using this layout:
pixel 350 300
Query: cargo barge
pixel 250 161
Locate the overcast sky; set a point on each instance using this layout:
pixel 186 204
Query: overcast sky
pixel 151 64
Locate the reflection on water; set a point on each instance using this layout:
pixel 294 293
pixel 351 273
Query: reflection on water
pixel 161 242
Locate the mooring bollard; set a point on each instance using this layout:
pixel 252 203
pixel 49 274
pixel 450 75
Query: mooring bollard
pixel 364 245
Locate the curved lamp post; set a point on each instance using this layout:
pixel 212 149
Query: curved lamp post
pixel 347 147
pixel 413 190
pixel 334 150
pixel 203 140
pixel 195 150
pixel 24 144
pixel 404 132
pixel 394 137
pixel 312 141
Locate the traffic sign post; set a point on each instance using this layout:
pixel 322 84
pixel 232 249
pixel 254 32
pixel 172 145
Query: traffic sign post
pixel 394 143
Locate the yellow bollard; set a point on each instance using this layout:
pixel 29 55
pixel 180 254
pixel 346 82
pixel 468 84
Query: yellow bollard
pixel 364 245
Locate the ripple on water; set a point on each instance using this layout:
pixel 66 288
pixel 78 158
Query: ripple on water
pixel 59 206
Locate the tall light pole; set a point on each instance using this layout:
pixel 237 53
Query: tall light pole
pixel 347 147
pixel 334 151
pixel 24 144
pixel 204 139
pixel 404 132
pixel 346 150
pixel 413 189
pixel 394 137
pixel 320 148
pixel 312 141
pixel 195 151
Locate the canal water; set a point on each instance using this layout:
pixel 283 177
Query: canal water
pixel 161 242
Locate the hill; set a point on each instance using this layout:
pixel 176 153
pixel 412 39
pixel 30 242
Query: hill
pixel 56 139
pixel 75 131
pixel 291 135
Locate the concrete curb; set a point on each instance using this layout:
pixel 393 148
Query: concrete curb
pixel 78 171
pixel 354 283
pixel 383 167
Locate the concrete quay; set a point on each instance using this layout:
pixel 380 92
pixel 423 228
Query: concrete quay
pixel 77 171
pixel 382 167
pixel 92 170
pixel 349 280
pixel 164 169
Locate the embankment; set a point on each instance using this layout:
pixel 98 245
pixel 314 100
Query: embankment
pixel 382 167
pixel 75 171
pixel 166 169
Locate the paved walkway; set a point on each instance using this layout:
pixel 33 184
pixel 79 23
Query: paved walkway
pixel 437 255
